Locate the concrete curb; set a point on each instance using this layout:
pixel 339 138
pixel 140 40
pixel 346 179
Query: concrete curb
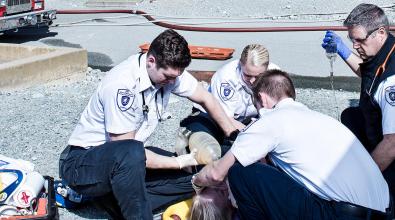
pixel 24 66
pixel 346 83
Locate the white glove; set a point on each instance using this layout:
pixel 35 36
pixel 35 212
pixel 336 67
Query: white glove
pixel 187 160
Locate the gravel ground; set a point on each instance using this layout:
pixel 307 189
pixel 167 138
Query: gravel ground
pixel 36 123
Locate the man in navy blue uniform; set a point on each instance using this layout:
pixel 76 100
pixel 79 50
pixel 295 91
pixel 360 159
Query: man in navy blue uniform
pixel 373 121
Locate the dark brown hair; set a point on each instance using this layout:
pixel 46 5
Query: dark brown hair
pixel 276 83
pixel 170 50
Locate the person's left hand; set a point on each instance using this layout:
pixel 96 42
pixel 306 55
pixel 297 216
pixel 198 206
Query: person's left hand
pixel 187 160
pixel 238 125
pixel 196 187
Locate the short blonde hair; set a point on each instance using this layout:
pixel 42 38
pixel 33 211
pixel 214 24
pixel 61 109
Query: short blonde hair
pixel 255 54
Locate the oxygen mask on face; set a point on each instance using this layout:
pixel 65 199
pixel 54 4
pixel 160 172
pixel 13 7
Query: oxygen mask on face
pixel 206 146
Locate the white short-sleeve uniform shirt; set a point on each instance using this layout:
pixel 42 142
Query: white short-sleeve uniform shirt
pixel 117 105
pixel 315 150
pixel 385 97
pixel 232 92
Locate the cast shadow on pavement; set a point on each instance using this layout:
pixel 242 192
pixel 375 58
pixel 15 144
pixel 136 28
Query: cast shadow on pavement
pixel 96 60
pixel 23 35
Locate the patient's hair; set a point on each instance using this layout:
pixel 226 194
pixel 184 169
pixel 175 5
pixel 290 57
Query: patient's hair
pixel 207 206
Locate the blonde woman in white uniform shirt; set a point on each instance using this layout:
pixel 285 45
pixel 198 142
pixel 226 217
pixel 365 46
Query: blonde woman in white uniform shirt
pixel 231 86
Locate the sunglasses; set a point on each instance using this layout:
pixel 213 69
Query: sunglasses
pixel 360 41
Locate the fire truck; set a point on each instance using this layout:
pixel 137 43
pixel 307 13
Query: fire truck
pixel 16 14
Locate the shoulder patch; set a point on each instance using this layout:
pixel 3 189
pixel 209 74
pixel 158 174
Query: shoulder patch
pixel 226 91
pixel 125 99
pixel 390 95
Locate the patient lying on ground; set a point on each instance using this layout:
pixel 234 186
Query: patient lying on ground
pixel 213 203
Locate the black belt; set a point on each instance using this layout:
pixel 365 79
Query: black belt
pixel 363 212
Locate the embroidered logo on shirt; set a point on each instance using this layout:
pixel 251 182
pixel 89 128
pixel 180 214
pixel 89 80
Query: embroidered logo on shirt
pixel 226 91
pixel 390 95
pixel 125 99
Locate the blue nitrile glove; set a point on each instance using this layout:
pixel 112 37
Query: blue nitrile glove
pixel 342 49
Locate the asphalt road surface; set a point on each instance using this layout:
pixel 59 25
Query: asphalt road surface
pixel 111 38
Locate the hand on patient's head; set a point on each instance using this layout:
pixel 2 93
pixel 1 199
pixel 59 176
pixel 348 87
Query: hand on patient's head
pixel 187 160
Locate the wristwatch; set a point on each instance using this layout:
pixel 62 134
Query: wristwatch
pixel 234 134
pixel 196 187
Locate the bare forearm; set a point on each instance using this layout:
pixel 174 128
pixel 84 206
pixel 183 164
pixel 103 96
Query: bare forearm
pixel 153 160
pixel 384 153
pixel 237 124
pixel 215 173
pixel 213 108
pixel 156 161
pixel 218 114
pixel 353 62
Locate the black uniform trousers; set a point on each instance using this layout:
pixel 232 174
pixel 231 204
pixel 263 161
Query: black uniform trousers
pixel 353 119
pixel 115 174
pixel 264 192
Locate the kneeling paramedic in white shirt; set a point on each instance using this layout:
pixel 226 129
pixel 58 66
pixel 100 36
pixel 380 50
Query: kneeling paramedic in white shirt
pixel 231 86
pixel 320 171
pixel 106 157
